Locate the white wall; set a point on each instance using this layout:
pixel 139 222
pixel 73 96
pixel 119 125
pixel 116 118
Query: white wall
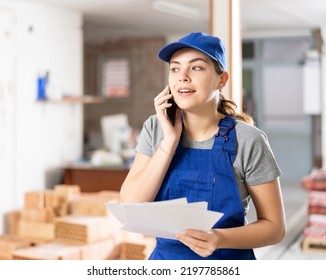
pixel 44 136
pixel 323 94
pixel 6 113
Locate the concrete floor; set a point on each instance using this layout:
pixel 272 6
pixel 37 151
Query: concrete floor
pixel 295 202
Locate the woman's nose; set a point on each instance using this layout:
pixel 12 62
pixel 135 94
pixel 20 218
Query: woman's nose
pixel 184 77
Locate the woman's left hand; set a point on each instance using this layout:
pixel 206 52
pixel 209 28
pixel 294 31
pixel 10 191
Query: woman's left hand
pixel 202 243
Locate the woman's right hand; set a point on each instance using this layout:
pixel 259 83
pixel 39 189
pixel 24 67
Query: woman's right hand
pixel 171 133
pixel 147 173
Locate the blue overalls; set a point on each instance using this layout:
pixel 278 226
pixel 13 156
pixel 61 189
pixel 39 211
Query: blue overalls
pixel 205 175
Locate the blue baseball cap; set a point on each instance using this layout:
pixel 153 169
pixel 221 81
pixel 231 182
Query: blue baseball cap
pixel 207 44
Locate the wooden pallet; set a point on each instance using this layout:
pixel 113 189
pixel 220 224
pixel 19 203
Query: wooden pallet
pixel 107 249
pixel 314 245
pixel 47 252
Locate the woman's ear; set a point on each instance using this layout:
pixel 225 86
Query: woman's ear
pixel 223 80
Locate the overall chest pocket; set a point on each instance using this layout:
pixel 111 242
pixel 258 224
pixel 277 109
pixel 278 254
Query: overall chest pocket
pixel 194 185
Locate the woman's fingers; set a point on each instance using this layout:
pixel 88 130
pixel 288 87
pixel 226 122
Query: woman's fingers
pixel 202 243
pixel 162 97
pixel 161 104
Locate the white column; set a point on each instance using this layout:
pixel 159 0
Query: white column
pixel 226 24
pixel 323 97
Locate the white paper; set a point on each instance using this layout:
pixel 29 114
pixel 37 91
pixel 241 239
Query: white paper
pixel 165 218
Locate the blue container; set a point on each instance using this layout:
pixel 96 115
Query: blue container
pixel 41 88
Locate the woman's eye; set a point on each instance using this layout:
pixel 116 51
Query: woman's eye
pixel 173 69
pixel 197 68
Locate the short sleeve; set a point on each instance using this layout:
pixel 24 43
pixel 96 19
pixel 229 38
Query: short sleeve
pixel 255 158
pixel 150 137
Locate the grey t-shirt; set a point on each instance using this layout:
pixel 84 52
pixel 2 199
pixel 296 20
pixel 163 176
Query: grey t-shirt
pixel 254 164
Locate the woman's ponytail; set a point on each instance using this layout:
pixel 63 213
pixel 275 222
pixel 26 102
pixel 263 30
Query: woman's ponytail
pixel 228 107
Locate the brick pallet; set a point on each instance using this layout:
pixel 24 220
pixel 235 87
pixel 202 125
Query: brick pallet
pixel 41 252
pixel 65 250
pixel 314 236
pixel 64 224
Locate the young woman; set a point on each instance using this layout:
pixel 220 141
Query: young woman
pixel 212 153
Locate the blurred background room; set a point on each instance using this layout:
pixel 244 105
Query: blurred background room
pixel 77 81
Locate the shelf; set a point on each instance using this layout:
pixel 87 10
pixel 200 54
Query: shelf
pixel 75 99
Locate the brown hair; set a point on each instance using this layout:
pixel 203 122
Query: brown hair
pixel 228 107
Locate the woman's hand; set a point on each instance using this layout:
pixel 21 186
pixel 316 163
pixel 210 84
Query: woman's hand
pixel 202 243
pixel 171 133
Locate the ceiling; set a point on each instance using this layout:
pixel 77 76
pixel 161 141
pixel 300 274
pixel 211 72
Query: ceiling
pixel 137 17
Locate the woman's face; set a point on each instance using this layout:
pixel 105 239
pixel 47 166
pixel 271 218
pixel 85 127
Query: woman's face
pixel 193 80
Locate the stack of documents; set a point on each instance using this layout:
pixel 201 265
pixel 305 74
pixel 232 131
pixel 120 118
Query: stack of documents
pixel 165 218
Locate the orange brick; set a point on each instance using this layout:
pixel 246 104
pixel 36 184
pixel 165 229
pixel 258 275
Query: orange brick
pixel 136 245
pixel 37 215
pixel 103 250
pixel 34 200
pixel 68 192
pixel 51 199
pixel 86 229
pixel 12 219
pixel 132 251
pixel 93 203
pixel 9 243
pixel 39 231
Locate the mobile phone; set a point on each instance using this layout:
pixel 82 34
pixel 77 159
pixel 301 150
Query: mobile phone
pixel 170 112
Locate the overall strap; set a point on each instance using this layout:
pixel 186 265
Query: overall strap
pixel 226 136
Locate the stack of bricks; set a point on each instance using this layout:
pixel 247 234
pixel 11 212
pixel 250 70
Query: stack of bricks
pixel 66 224
pixel 314 237
pixel 93 235
pixel 93 203
pixel 36 220
pixel 34 224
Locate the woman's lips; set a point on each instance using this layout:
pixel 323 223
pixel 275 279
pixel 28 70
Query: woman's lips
pixel 185 92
